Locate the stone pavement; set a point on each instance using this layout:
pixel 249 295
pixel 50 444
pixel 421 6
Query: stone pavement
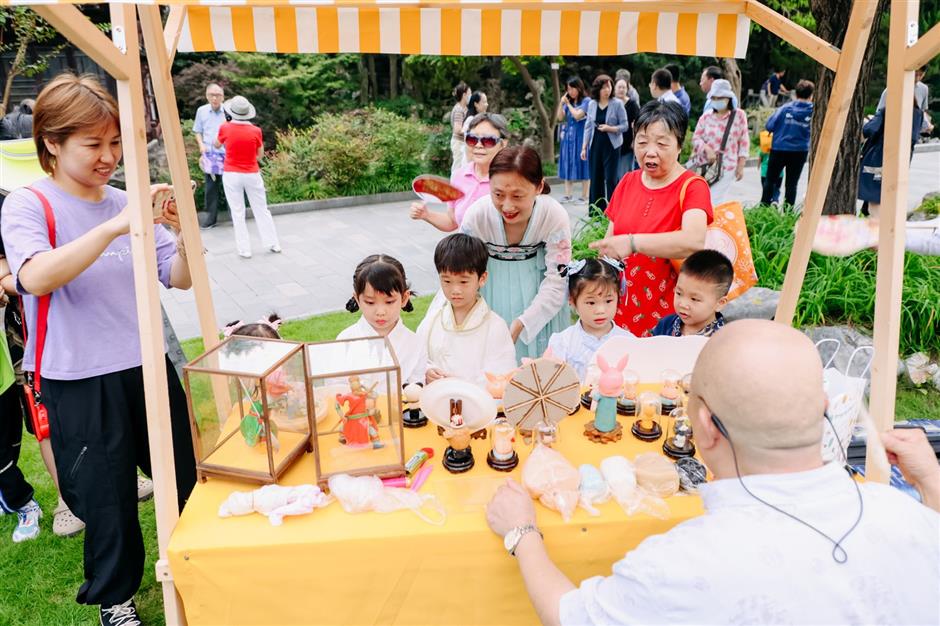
pixel 322 248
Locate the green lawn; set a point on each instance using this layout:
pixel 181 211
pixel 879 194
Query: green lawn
pixel 41 576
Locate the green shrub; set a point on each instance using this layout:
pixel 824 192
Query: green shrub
pixel 437 154
pixel 288 171
pixel 341 152
pixel 841 290
pixel 398 144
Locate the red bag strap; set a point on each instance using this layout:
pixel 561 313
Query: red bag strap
pixel 42 315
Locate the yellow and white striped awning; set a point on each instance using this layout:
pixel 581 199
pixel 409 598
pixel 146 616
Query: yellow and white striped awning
pixel 576 29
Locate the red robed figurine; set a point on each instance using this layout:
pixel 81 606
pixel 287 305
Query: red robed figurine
pixel 359 424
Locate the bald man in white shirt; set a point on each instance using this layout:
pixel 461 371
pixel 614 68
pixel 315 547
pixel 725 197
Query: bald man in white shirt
pixel 831 552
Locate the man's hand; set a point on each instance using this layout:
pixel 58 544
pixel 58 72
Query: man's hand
pixel 909 449
pixel 510 507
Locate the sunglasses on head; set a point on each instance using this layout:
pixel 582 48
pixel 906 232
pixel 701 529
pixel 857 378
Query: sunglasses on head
pixel 487 141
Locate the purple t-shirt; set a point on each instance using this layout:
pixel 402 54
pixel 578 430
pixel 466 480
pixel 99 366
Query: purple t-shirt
pixel 92 328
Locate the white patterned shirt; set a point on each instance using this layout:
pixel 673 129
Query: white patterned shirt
pixel 412 358
pixel 577 347
pixel 744 563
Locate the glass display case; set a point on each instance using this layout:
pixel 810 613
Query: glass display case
pixel 357 397
pixel 249 408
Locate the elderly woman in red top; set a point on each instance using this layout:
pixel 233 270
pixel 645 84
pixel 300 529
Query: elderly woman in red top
pixel 657 213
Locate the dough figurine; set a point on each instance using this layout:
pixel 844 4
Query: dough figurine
pixel 412 417
pixel 545 433
pixel 605 427
pixel 360 427
pixel 252 424
pixel 458 457
pixel 669 395
pixel 679 442
pixel 647 427
pixel 627 403
pixel 502 456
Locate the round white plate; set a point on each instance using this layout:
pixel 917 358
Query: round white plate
pixel 479 409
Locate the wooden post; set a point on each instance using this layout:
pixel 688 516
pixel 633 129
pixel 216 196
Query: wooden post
pixel 840 100
pixel 892 218
pixel 926 48
pixel 172 31
pixel 822 51
pixel 143 252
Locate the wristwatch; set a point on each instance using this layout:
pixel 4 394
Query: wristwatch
pixel 514 536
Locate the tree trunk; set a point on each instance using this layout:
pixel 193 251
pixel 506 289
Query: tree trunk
pixel 393 76
pixel 14 70
pixel 363 81
pixel 546 120
pixel 729 67
pixel 373 78
pixel 832 19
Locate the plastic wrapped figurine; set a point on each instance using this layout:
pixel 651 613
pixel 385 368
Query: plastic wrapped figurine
pixel 545 433
pixel 502 456
pixel 548 476
pixel 647 427
pixel 360 419
pixel 670 393
pixel 605 427
pixel 275 501
pixel 593 489
pixel 656 474
pixel 458 457
pixel 622 477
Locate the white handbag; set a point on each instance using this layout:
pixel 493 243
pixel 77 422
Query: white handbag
pixel 846 394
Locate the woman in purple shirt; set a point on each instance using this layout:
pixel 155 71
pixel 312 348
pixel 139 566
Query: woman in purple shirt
pixel 92 379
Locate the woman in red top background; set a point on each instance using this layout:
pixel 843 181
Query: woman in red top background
pixel 657 213
pixel 243 147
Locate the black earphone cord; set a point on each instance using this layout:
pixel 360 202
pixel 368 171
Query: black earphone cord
pixel 839 555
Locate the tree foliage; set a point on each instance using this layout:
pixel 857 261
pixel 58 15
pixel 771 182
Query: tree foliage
pixel 27 29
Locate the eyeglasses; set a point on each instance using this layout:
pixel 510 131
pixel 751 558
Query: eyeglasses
pixel 487 141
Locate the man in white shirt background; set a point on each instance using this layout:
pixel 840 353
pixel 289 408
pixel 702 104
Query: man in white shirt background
pixel 785 539
pixel 661 87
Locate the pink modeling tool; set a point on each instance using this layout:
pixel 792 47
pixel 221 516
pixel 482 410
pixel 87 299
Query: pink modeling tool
pixel 421 477
pixel 400 482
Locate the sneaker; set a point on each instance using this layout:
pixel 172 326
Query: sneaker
pixel 144 488
pixel 580 201
pixel 566 198
pixel 275 249
pixel 207 226
pixel 27 525
pixel 245 255
pixel 124 614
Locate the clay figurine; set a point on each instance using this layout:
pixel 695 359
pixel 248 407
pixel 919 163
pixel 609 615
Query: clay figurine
pixel 669 395
pixel 252 424
pixel 502 457
pixel 412 417
pixel 605 427
pixel 627 403
pixel 360 420
pixel 647 427
pixel 679 442
pixel 458 457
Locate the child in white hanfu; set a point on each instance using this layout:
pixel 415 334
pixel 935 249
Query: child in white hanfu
pixel 381 292
pixel 464 338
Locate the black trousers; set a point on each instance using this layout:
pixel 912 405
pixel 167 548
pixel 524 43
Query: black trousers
pixel 214 196
pixel 603 160
pixel 15 492
pixel 792 162
pixel 98 429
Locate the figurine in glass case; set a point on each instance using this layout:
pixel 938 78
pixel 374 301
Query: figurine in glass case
pixel 412 416
pixel 360 419
pixel 670 393
pixel 647 427
pixel 458 457
pixel 605 427
pixel 627 403
pixel 678 442
pixel 502 456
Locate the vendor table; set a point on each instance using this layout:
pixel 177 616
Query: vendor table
pixel 333 567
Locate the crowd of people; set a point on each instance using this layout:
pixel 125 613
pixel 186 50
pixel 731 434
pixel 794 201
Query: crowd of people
pixel 508 284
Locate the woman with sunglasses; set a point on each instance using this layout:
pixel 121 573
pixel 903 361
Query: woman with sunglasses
pixel 528 235
pixel 486 135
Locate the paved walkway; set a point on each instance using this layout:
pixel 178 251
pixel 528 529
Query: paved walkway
pixel 321 248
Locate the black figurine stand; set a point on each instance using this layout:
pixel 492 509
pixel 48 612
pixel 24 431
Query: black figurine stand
pixel 644 434
pixel 667 405
pixel 413 418
pixel 502 466
pixel 676 452
pixel 458 461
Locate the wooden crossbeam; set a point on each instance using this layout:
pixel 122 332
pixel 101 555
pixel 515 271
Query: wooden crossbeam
pixel 926 48
pixel 797 36
pixel 899 112
pixel 78 29
pixel 827 149
pixel 172 31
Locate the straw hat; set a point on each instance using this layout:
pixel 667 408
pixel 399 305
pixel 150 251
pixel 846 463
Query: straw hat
pixel 239 108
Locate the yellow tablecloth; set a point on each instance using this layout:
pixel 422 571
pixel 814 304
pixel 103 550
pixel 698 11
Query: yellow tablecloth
pixel 332 567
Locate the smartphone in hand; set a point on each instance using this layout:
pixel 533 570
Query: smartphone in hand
pixel 160 200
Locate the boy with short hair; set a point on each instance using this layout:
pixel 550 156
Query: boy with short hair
pixel 464 338
pixel 701 292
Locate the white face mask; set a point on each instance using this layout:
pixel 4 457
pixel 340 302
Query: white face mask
pixel 720 105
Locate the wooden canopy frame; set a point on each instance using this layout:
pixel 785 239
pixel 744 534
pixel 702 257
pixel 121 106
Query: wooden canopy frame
pixel 906 53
